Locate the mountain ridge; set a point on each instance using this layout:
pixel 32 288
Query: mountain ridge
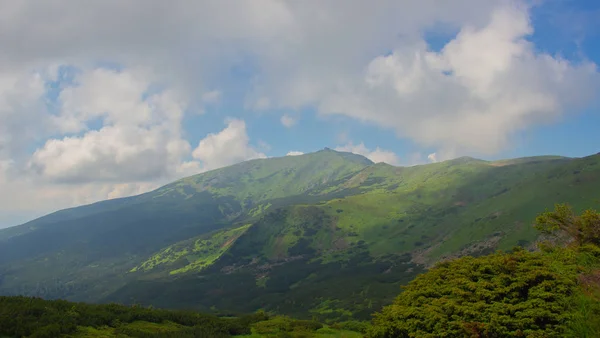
pixel 56 215
pixel 289 229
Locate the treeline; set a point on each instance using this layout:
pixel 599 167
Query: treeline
pixel 554 292
pixel 35 317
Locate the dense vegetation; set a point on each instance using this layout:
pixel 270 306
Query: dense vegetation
pixel 38 318
pixel 551 293
pixel 34 317
pixel 282 234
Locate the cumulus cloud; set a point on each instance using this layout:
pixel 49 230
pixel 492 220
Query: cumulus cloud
pixel 212 96
pixel 108 135
pixel 109 132
pixel 140 138
pixel 288 121
pixel 432 157
pixel 23 115
pixel 470 97
pixel 229 146
pixel 376 155
pixel 113 154
pixel 294 153
pixel 485 84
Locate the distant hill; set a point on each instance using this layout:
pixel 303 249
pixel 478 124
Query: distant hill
pixel 286 233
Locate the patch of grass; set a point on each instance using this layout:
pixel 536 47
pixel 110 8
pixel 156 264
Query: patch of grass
pixel 258 181
pixel 195 254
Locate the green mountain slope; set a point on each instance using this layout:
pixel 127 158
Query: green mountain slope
pixel 285 233
pixel 80 253
pixel 257 181
pixel 294 259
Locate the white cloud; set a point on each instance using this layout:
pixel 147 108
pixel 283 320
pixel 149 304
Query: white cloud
pixel 315 53
pixel 294 153
pixel 212 96
pixel 120 137
pixel 343 137
pixel 137 146
pixel 229 146
pixel 471 96
pixel 262 103
pixel 377 155
pixel 113 96
pixel 140 139
pixel 288 121
pixel 432 157
pixel 23 115
pixel 115 133
pixel 113 154
pixel 33 196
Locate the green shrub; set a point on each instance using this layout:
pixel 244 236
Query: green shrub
pixel 35 317
pixel 280 325
pixel 326 330
pixel 48 331
pixel 501 295
pixel 274 325
pixel 306 325
pixel 352 325
pixel 518 294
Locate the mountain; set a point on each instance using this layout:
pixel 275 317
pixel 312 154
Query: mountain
pixel 328 234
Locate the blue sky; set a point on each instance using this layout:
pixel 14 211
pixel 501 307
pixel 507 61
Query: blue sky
pixel 120 99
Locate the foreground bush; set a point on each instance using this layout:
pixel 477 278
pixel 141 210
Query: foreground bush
pixel 35 317
pixel 517 294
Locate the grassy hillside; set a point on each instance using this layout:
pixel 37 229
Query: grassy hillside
pixel 283 234
pixel 258 181
pixel 402 219
pixel 82 253
pixel 194 254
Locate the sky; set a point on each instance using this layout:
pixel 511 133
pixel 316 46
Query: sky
pixel 103 99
